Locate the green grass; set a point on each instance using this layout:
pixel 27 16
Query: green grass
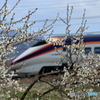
pixel 41 88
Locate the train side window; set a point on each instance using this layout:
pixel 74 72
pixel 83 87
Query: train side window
pixel 64 49
pixel 87 50
pixel 77 48
pixel 97 50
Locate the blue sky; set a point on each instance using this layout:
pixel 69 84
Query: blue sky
pixel 48 9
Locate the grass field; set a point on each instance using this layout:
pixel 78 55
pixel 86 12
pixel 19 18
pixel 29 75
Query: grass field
pixel 38 89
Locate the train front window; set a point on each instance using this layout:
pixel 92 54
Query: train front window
pixel 40 43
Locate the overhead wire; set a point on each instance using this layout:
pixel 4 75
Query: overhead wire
pixel 51 6
pixel 58 4
pixel 75 18
pixel 71 24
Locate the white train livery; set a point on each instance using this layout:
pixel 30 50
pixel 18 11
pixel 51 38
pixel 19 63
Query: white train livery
pixel 39 58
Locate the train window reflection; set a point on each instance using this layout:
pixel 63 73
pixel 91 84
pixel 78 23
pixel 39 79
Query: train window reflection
pixel 64 49
pixel 87 50
pixel 97 50
pixel 40 43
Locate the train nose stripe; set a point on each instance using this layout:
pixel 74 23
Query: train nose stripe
pixel 43 50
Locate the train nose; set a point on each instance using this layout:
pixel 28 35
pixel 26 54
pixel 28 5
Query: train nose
pixel 12 63
pixel 23 56
pixel 33 52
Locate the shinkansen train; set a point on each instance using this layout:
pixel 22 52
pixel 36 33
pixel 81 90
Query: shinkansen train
pixel 40 57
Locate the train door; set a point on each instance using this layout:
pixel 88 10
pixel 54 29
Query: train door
pixel 63 59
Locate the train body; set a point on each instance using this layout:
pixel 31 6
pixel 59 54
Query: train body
pixel 39 58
